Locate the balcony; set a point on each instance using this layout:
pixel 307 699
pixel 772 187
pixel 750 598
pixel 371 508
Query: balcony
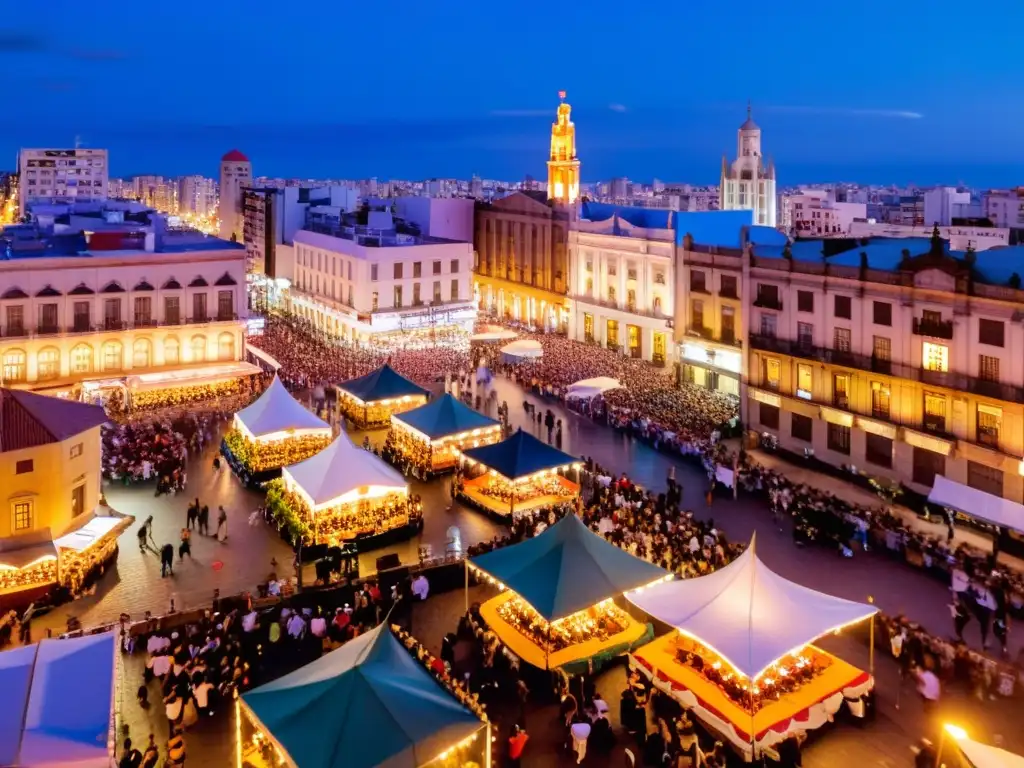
pixel 198 320
pixel 14 332
pixel 144 322
pixel 938 329
pixel 765 301
pixel 113 324
pixel 947 379
pixel 47 330
pixel 703 332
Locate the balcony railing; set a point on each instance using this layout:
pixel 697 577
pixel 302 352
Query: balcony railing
pixel 112 324
pixel 703 332
pixel 948 379
pixel 47 330
pixel 14 332
pixel 768 302
pixel 939 329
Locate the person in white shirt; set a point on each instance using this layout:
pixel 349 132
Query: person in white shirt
pixel 296 626
pixel 421 587
pixel 928 687
pixel 202 694
pixel 249 621
pixel 161 665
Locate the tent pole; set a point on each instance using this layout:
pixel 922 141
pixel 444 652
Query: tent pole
pixel 465 561
pixel 487 741
pixel 871 647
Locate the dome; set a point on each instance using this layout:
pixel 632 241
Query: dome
pixel 750 125
pixel 234 156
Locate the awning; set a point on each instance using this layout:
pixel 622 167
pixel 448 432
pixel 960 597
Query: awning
pixel 84 537
pixel 276 413
pixel 589 388
pixel 971 501
pixel 519 456
pixel 523 349
pixel 382 384
pixel 191 377
pixel 444 416
pixel 20 551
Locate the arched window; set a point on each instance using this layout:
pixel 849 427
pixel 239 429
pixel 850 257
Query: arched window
pixel 142 353
pixel 15 365
pixel 226 346
pixel 81 359
pixel 48 363
pixel 198 349
pixel 172 351
pixel 113 356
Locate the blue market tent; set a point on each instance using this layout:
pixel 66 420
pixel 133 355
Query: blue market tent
pixel 521 455
pixel 381 384
pixel 567 569
pixel 366 704
pixel 444 416
pixel 58 702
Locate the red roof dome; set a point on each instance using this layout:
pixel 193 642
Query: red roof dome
pixel 234 156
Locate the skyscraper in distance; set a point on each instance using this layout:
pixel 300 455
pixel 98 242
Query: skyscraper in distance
pixel 235 176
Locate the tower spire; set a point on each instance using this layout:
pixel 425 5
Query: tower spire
pixel 563 165
pixel 749 110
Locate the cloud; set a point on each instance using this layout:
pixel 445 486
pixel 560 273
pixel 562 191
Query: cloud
pixel 519 112
pixel 904 114
pixel 617 107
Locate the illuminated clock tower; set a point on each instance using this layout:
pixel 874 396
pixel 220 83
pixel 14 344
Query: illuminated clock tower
pixel 563 166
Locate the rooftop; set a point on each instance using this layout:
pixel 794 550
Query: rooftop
pixel 28 420
pixel 234 156
pixel 380 230
pixel 25 242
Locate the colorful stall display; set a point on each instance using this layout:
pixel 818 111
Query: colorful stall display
pixel 742 656
pixel 380 704
pixel 517 476
pixel 371 400
pixel 89 546
pixel 557 604
pixel 273 432
pixel 342 493
pixel 28 562
pixel 431 437
pixel 184 386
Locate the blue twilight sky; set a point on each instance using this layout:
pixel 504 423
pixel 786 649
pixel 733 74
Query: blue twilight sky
pixel 870 91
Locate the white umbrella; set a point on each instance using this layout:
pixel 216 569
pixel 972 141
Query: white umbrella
pixel 589 388
pixel 523 349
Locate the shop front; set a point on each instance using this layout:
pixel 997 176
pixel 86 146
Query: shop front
pixel 711 366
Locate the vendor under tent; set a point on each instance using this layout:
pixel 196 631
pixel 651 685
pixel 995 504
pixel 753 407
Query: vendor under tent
pixel 742 659
pixel 518 475
pixel 591 388
pixel 1007 516
pixel 522 351
pixel 273 432
pixel 340 494
pixel 88 545
pixel 368 703
pixel 28 568
pixel 431 436
pixel 371 400
pixel 58 704
pixel 556 607
pixel 195 383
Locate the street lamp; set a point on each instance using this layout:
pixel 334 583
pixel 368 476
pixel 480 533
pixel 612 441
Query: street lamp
pixel 955 732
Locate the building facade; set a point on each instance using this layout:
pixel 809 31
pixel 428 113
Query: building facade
pixel 235 177
pixel 197 196
pixel 906 372
pixel 521 262
pixel 960 237
pixel 748 183
pixel 62 176
pixel 815 213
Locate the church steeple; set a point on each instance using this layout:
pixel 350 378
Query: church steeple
pixel 563 165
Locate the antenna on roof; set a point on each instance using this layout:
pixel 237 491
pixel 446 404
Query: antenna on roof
pixel 78 141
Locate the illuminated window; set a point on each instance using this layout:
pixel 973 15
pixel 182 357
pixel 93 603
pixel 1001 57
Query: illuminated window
pixel 81 359
pixel 14 365
pixel 112 356
pixel 588 327
pixel 22 515
pixel 48 363
pixel 226 346
pixel 934 412
pixel 879 400
pixel 990 419
pixel 804 380
pixel 172 351
pixel 142 353
pixel 198 346
pixel 772 373
pixel 935 357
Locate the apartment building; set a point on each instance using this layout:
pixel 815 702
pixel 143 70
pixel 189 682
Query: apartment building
pixel 897 357
pixel 62 176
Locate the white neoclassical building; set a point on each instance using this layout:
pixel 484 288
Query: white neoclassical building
pixel 621 271
pixel 748 184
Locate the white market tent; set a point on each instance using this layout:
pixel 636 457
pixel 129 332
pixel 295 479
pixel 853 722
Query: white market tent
pixel 493 333
pixel 342 473
pixel 276 415
pixel 747 613
pixel 589 388
pixel 984 756
pixel 58 703
pixel 975 503
pixel 523 349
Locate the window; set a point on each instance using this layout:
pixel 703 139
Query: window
pixel 47 317
pixel 931 317
pixel 843 307
pixel 112 313
pixel 112 356
pixel 611 293
pixel 143 310
pixel 697 281
pixel 373 272
pixel 935 357
pixel 768 296
pixel 397 304
pixel 805 335
pixel 398 271
pixel 349 301
pixel 985 478
pixel 841 390
pixel 934 412
pixel 226 305
pixel 81 359
pixel 226 346
pixel 172 310
pixel 588 327
pixel 728 325
pixel 659 277
pixel 141 353
pixel 881 348
pixel 416 301
pixel 771 373
pixel 768 325
pixel 437 267
pixel 804 301
pixel 172 351
pixel 841 340
pixel 199 307
pixel 769 416
pixel 455 290
pixel 880 397
pixel 437 292
pixel 22 515
pixel 373 301
pixel 417 269
pixel 882 313
pixel 839 438
pixel 991 332
pixel 878 450
pixel 350 271
pixel 48 363
pixel 198 347
pixel 805 381
pixel 24 466
pixel 76 450
pixel 455 266
pixel 989 421
pixel 988 368
pixel 15 320
pixel 82 316
pixel 728 289
pixel 802 427
pixel 15 366
pixel 697 315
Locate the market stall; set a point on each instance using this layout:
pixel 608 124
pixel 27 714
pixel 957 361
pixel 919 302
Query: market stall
pixel 742 659
pixel 369 703
pixel 28 568
pixel 59 706
pixel 273 432
pixel 431 437
pixel 340 494
pixel 371 400
pixel 196 384
pixel 493 333
pixel 89 545
pixel 557 607
pixel 517 475
pixel 522 351
pixel 588 389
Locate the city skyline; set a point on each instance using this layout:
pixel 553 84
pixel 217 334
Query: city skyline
pixel 666 106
